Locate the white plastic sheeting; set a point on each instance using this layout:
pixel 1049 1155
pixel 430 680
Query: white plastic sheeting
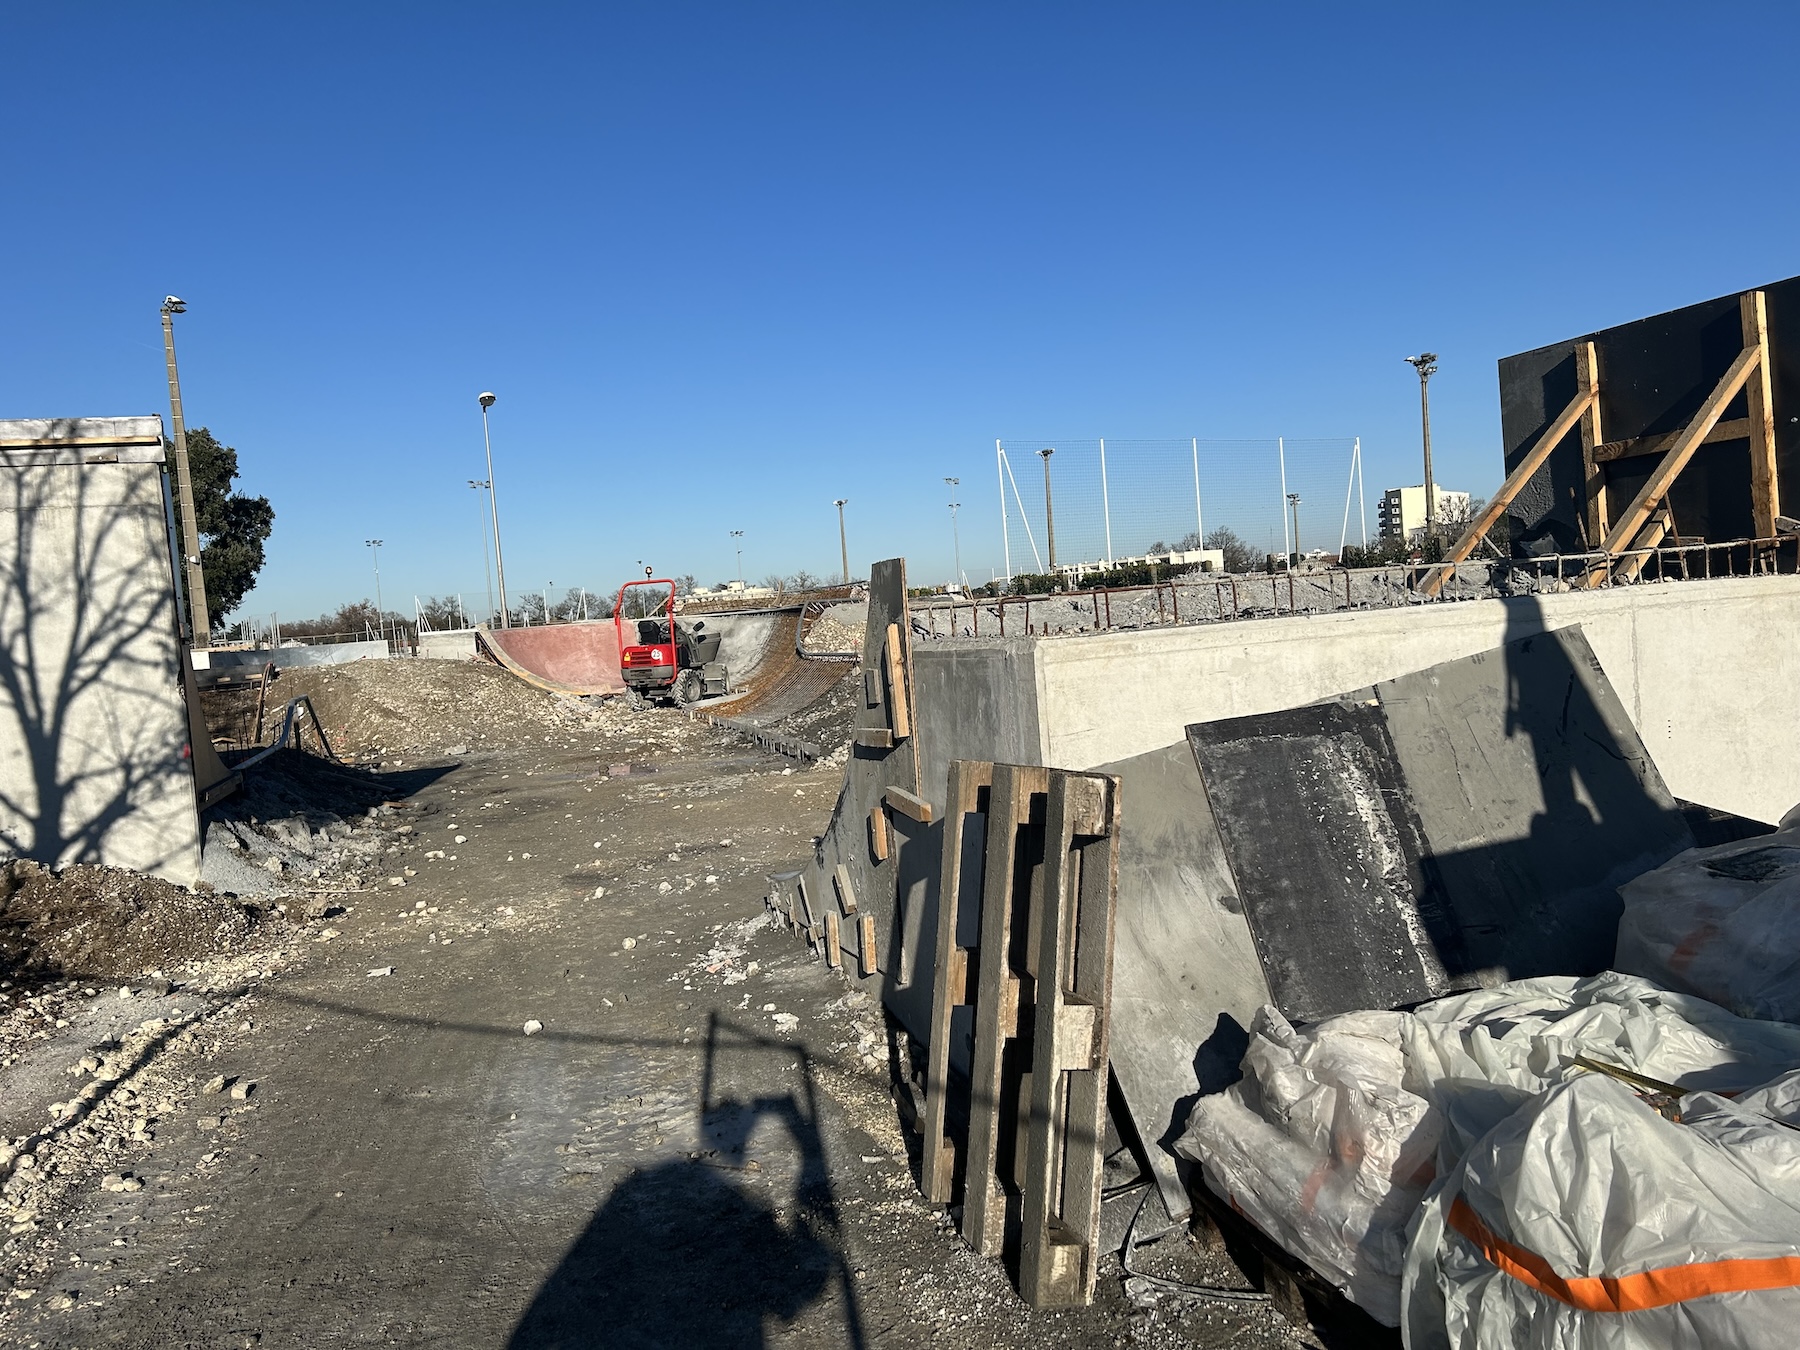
pixel 1586 1221
pixel 1333 1135
pixel 1723 923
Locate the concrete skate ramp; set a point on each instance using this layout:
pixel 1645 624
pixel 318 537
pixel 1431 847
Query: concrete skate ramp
pixel 565 658
pixel 94 733
pixel 762 649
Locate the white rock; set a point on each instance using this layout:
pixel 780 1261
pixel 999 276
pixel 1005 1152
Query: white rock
pixel 768 1007
pixel 462 838
pixel 663 888
pixel 629 943
pixel 381 970
pixel 241 1090
pixel 533 1027
pixel 786 1022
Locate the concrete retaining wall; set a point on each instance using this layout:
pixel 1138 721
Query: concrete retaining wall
pixel 1708 670
pixel 286 658
pixel 455 644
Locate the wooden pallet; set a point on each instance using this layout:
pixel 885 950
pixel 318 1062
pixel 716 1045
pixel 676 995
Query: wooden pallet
pixel 1039 979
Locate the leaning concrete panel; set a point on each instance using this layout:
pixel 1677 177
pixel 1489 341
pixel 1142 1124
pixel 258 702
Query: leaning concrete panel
pixel 93 729
pixel 1186 980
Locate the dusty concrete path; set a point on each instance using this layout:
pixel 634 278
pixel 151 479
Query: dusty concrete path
pixel 697 1148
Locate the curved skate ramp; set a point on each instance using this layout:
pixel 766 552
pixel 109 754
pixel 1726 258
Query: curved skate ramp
pixel 782 681
pixel 564 658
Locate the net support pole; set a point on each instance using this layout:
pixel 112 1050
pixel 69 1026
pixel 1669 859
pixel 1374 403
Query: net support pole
pixel 1199 515
pixel 1005 538
pixel 1287 547
pixel 1105 503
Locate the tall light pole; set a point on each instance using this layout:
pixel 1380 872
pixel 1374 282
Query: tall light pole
pixel 1294 506
pixel 738 535
pixel 956 539
pixel 199 620
pixel 487 401
pixel 843 539
pixel 487 549
pixel 547 587
pixel 380 614
pixel 1049 515
pixel 1426 364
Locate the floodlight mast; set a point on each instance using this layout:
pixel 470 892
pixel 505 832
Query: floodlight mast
pixel 488 401
pixel 1426 364
pixel 199 618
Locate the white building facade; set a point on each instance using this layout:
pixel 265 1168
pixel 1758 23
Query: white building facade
pixel 1402 513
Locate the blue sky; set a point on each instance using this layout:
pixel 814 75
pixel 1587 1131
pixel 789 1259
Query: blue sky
pixel 724 263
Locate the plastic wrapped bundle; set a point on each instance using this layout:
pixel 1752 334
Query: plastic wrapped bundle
pixel 1335 1131
pixel 1322 1149
pixel 1722 923
pixel 1586 1221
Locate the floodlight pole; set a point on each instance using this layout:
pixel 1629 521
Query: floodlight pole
pixel 199 620
pixel 1426 364
pixel 1293 499
pixel 487 401
pixel 843 539
pixel 738 535
pixel 1049 513
pixel 955 534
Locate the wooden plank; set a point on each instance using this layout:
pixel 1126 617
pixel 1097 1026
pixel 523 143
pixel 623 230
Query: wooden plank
pixel 876 738
pixel 911 806
pixel 1587 378
pixel 1060 1235
pixel 1516 480
pixel 1765 485
pixel 1012 883
pixel 879 843
pixel 1737 429
pixel 866 955
pixel 834 950
pixel 1634 517
pixel 840 876
pixel 899 700
pixel 967 780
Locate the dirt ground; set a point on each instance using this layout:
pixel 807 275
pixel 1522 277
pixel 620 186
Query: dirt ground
pixel 544 1076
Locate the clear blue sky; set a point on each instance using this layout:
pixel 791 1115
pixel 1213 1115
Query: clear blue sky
pixel 723 263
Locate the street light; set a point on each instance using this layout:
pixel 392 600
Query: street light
pixel 1049 514
pixel 487 548
pixel 739 536
pixel 1426 364
pixel 380 615
pixel 1294 506
pixel 487 401
pixel 956 538
pixel 199 620
pixel 843 541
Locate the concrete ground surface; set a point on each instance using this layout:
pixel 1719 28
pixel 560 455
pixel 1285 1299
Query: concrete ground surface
pixel 698 1147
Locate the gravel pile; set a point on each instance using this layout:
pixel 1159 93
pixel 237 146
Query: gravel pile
pixel 434 708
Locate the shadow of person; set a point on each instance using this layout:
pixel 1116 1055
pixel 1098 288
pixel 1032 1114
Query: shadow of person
pixel 678 1256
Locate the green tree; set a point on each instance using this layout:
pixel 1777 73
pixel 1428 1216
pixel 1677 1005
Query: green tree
pixel 232 526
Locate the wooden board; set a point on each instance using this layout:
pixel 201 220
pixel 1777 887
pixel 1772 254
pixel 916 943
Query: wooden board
pixel 1059 1250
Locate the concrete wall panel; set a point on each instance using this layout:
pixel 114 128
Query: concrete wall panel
pixel 93 729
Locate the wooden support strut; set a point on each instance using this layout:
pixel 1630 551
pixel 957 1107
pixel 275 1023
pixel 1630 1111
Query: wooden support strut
pixel 1587 376
pixel 1765 487
pixel 1636 516
pixel 1516 480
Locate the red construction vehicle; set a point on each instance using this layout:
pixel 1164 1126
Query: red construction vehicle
pixel 661 656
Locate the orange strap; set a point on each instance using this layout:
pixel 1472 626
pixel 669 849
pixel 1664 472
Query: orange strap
pixel 1625 1293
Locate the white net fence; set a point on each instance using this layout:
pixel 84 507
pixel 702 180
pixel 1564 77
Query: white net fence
pixel 1113 499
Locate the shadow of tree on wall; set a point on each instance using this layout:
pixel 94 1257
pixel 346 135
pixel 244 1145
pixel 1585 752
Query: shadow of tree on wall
pixel 88 664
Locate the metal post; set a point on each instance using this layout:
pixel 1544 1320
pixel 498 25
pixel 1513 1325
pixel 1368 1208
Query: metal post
pixel 843 539
pixel 1049 512
pixel 1005 536
pixel 738 535
pixel 956 542
pixel 199 620
pixel 487 565
pixel 1281 454
pixel 380 613
pixel 487 401
pixel 1105 504
pixel 547 586
pixel 1293 501
pixel 1199 516
pixel 1426 364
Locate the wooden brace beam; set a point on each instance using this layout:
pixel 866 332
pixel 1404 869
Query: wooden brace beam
pixel 1737 429
pixel 1516 480
pixel 1633 519
pixel 1765 487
